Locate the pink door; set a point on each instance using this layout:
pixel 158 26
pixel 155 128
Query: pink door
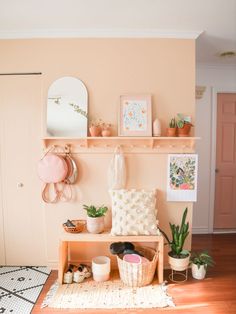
pixel 225 191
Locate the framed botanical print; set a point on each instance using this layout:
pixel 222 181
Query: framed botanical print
pixel 182 177
pixel 135 115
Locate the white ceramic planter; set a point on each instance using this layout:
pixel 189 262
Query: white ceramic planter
pixel 198 273
pixel 101 267
pixel 95 224
pixel 178 264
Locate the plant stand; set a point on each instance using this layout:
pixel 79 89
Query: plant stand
pixel 178 276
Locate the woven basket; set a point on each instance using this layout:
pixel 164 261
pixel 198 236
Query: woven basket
pixel 79 226
pixel 138 275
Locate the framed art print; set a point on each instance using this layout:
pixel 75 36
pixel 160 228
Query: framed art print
pixel 182 177
pixel 135 115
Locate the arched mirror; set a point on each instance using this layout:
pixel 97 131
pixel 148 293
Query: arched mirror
pixel 67 108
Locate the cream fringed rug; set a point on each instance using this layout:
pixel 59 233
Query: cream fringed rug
pixel 108 295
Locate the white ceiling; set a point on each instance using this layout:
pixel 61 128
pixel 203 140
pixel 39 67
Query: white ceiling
pixel 122 18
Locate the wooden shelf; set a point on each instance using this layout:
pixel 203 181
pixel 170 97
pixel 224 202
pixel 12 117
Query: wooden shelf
pixel 129 144
pixel 67 238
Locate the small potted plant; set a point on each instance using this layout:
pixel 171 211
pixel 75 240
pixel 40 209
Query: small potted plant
pixel 183 125
pixel 199 262
pixel 171 131
pixel 178 257
pixel 95 127
pixel 95 218
pixel 106 129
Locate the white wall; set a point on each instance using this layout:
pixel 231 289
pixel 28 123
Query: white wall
pixel 218 77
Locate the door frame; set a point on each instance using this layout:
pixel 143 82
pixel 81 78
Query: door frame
pixel 214 92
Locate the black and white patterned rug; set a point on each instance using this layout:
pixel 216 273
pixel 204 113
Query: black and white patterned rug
pixel 20 287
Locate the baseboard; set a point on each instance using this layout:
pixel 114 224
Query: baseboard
pixel 222 231
pixel 200 230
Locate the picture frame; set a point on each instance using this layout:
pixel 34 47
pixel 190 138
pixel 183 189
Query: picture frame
pixel 182 173
pixel 135 115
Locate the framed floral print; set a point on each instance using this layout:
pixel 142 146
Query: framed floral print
pixel 135 115
pixel 182 177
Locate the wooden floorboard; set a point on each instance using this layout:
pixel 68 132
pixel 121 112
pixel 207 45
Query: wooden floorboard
pixel 214 295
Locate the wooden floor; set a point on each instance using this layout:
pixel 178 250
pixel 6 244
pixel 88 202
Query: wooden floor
pixel 214 295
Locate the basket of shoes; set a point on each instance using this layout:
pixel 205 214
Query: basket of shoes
pixel 74 226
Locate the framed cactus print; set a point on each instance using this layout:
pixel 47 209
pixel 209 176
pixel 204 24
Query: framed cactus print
pixel 135 115
pixel 182 177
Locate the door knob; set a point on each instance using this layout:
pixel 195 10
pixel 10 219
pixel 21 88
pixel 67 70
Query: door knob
pixel 216 170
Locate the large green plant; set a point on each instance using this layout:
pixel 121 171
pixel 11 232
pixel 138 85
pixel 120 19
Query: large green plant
pixel 93 211
pixel 179 235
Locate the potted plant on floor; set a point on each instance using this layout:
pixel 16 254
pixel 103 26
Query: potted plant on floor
pixel 178 257
pixel 183 125
pixel 171 131
pixel 95 218
pixel 199 262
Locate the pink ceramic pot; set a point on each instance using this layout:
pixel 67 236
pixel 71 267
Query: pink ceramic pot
pixel 106 132
pixel 95 131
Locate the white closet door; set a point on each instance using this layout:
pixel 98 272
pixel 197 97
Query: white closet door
pixel 21 214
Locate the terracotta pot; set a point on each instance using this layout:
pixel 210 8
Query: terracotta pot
pixel 95 131
pixel 95 224
pixel 178 264
pixel 171 132
pixel 106 132
pixel 185 130
pixel 198 273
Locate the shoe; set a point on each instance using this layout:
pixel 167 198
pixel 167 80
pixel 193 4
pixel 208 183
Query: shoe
pixel 119 247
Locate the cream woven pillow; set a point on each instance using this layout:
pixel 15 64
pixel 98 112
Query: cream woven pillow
pixel 134 212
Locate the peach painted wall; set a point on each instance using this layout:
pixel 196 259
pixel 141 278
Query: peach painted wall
pixel 164 68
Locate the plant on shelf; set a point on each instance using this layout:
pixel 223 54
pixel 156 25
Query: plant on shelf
pixel 183 125
pixel 199 262
pixel 95 218
pixel 171 131
pixel 178 257
pixel 106 129
pixel 95 127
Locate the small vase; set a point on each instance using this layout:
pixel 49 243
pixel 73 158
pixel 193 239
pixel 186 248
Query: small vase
pixel 95 130
pixel 106 132
pixel 156 127
pixel 95 224
pixel 171 132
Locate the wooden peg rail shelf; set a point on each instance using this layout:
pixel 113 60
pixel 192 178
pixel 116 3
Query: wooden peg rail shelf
pixel 128 144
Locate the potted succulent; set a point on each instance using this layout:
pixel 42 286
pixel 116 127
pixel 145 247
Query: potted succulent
pixel 95 218
pixel 178 257
pixel 171 131
pixel 199 262
pixel 183 125
pixel 106 129
pixel 95 127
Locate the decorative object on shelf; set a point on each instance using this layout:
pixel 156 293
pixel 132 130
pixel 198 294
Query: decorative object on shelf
pixel 67 108
pixel 178 257
pixel 74 226
pixel 183 125
pixel 135 115
pixel 182 177
pixel 156 127
pixel 138 274
pixel 95 128
pixel 199 262
pixel 101 268
pixel 116 175
pixel 171 131
pixel 95 218
pixel 106 129
pixel 134 212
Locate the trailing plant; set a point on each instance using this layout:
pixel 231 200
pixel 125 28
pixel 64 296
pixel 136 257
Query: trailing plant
pixel 202 258
pixel 172 123
pixel 93 211
pixel 179 235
